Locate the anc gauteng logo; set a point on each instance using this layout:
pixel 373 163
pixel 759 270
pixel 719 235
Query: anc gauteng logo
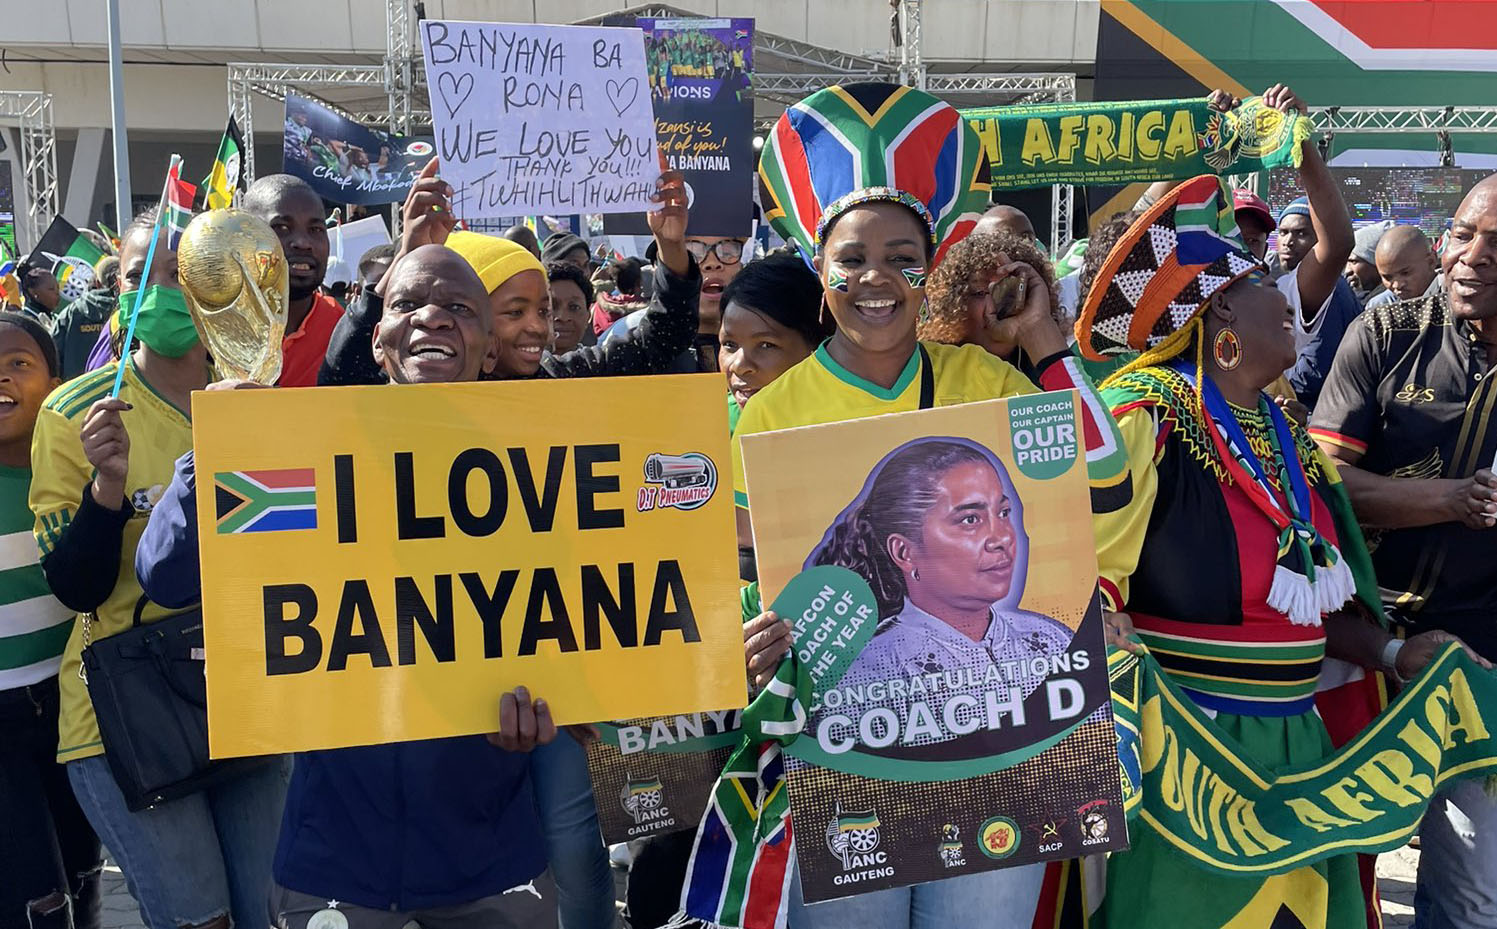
pixel 851 835
pixel 998 837
pixel 643 798
pixel 682 482
pixel 265 501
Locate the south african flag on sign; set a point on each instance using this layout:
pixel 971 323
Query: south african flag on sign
pixel 265 501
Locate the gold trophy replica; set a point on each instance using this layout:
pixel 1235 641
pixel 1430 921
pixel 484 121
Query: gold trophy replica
pixel 234 275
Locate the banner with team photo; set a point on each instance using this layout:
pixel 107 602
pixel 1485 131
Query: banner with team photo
pixel 652 776
pixel 701 84
pixel 427 549
pixel 963 722
pixel 347 162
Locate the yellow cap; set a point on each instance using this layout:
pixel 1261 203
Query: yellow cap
pixel 496 260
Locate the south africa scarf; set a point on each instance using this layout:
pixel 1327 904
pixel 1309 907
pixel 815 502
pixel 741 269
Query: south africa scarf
pixel 1310 577
pixel 739 873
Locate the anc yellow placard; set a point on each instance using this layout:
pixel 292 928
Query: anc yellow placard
pixel 380 564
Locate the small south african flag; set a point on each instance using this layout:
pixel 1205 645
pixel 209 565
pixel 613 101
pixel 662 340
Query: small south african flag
pixel 265 501
pixel 179 196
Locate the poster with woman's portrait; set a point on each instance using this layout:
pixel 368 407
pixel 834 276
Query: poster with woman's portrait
pixel 967 725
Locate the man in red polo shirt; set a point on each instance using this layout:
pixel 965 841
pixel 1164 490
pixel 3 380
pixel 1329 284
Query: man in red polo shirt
pixel 294 210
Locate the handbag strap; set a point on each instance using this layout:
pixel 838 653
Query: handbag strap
pixel 927 379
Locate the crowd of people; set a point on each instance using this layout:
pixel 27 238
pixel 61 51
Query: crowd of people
pixel 1334 388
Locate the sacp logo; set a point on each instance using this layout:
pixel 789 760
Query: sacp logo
pixel 682 482
pixel 419 148
pixel 998 837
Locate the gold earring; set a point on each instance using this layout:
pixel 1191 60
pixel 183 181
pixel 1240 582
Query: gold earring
pixel 1227 349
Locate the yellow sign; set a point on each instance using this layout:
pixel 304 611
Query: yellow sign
pixel 380 564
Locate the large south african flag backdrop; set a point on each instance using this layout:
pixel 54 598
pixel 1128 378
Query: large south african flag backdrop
pixel 265 501
pixel 1332 52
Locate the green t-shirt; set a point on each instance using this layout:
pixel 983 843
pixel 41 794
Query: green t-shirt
pixel 34 626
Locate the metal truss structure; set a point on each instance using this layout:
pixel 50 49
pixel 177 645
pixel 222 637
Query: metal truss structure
pixel 1401 120
pixel 911 62
pixel 31 112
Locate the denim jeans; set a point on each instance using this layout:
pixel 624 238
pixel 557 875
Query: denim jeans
pixel 47 847
pixel 529 906
pixel 192 860
pixel 574 845
pixel 1457 886
pixel 999 898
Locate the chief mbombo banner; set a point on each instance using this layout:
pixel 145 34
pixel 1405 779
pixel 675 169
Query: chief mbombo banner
pixel 347 162
pixel 960 719
pixel 1145 140
pixel 389 573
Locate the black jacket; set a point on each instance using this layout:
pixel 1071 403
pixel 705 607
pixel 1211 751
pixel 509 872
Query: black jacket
pixel 668 328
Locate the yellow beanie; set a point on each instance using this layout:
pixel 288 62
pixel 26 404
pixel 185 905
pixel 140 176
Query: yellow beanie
pixel 496 260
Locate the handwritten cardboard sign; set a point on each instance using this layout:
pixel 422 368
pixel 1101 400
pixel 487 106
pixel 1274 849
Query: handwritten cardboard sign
pixel 541 119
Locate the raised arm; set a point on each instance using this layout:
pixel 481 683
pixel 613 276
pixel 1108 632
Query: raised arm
pixel 1322 267
pixel 670 324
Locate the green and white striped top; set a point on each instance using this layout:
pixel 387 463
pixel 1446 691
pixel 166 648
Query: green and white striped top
pixel 34 626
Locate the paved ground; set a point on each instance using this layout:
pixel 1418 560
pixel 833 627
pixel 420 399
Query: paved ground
pixel 1395 872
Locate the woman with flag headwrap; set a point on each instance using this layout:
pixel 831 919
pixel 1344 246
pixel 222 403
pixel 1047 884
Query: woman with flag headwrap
pixel 874 182
pixel 1238 558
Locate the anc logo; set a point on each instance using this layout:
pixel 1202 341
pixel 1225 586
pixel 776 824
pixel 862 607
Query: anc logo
pixel 643 798
pixel 998 837
pixel 851 836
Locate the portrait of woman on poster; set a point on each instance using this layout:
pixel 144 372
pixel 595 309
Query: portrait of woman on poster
pixel 938 534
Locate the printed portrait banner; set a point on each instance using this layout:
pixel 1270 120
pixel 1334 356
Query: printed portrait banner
pixel 1185 780
pixel 652 776
pixel 701 85
pixel 346 161
pixel 1144 140
pixel 959 719
pixel 541 119
pixel 389 574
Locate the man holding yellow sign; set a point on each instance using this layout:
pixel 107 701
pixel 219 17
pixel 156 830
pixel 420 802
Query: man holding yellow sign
pixel 417 575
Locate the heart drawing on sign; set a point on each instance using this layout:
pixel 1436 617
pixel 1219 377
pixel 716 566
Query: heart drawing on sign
pixel 622 94
pixel 455 91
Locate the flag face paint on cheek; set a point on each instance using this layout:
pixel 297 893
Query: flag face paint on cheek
pixel 915 276
pixel 836 280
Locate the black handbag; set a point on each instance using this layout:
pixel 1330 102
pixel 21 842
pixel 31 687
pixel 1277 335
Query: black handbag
pixel 150 696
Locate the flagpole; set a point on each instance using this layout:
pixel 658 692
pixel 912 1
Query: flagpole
pixel 145 277
pixel 122 209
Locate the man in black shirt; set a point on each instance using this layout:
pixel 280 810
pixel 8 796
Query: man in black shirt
pixel 1407 414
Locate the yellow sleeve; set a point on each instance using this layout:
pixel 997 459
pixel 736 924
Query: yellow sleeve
pixel 59 470
pixel 750 422
pixel 1120 533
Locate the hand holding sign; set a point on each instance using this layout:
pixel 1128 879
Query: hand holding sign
pixel 668 221
pixel 523 724
pixel 540 119
pixel 426 218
